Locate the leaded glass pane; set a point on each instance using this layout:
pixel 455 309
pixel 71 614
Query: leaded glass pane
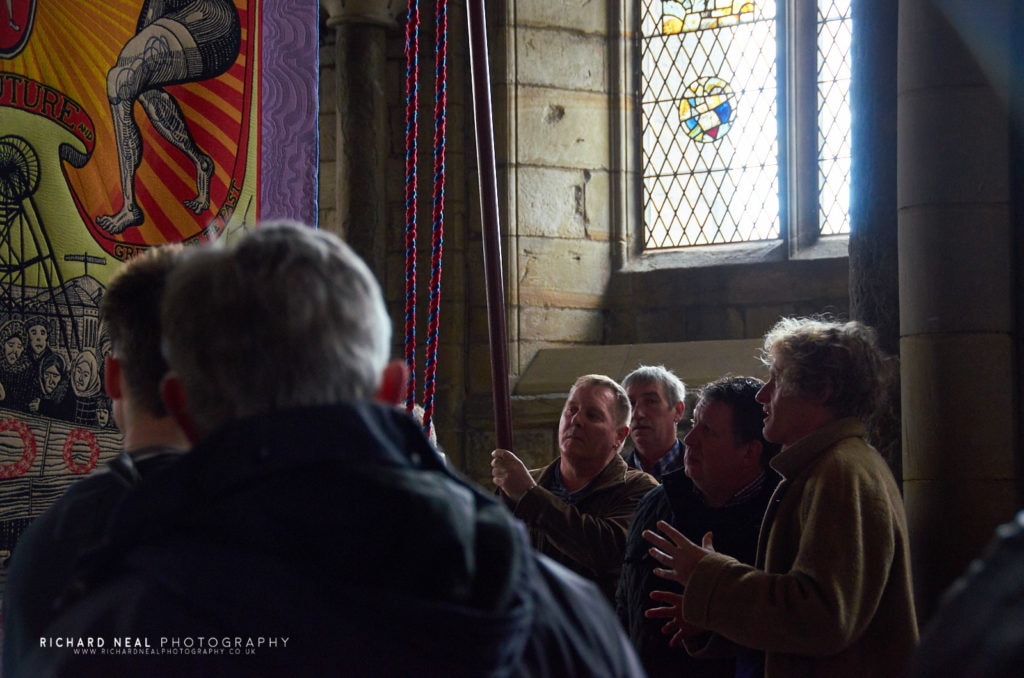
pixel 834 31
pixel 710 131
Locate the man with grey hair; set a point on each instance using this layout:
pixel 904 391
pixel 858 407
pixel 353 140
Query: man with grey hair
pixel 578 508
pixel 657 396
pixel 311 531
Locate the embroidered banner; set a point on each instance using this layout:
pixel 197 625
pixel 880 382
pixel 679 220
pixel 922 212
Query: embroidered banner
pixel 125 125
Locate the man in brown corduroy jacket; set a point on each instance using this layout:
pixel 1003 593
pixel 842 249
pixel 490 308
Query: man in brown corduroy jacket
pixel 831 593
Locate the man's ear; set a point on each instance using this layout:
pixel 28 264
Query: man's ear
pixel 679 410
pixel 112 377
pixel 622 432
pixel 822 395
pixel 392 383
pixel 173 395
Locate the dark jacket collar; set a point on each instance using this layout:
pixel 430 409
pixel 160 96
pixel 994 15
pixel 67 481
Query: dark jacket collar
pixel 357 433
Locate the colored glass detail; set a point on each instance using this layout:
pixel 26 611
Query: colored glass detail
pixel 687 16
pixel 706 109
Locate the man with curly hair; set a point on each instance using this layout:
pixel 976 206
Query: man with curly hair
pixel 830 593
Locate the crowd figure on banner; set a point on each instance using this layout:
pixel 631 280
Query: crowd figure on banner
pixel 37 378
pixel 294 499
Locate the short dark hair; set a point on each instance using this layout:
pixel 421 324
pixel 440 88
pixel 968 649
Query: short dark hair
pixel 747 414
pixel 38 321
pixel 130 312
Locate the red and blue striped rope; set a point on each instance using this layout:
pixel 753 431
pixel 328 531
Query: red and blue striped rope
pixel 437 227
pixel 437 212
pixel 412 29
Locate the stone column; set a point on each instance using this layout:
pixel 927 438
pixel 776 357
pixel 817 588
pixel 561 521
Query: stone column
pixel 362 126
pixel 874 265
pixel 957 326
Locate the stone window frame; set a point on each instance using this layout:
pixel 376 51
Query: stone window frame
pixel 799 223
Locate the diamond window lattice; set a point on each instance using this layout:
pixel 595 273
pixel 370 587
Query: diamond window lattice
pixel 710 124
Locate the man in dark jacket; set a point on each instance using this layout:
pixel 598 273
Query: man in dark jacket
pixel 311 531
pixel 979 628
pixel 723 488
pixel 578 507
pixel 46 553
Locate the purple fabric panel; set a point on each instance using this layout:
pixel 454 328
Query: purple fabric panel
pixel 290 109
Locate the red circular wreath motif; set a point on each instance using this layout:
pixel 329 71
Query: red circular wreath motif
pixel 28 448
pixel 80 435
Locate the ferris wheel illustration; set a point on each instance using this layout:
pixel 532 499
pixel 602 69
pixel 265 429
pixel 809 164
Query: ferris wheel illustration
pixel 30 279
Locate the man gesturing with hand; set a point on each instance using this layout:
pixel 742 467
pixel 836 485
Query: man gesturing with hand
pixel 830 593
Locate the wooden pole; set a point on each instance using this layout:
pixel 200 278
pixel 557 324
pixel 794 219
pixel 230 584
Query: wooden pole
pixel 490 228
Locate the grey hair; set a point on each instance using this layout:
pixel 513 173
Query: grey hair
pixel 285 317
pixel 672 387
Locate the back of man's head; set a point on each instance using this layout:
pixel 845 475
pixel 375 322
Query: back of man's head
pixel 130 313
pixel 285 317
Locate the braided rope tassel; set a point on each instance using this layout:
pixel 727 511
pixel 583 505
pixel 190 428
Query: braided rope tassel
pixel 437 227
pixel 412 29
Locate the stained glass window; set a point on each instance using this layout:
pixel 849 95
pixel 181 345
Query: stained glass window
pixel 710 78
